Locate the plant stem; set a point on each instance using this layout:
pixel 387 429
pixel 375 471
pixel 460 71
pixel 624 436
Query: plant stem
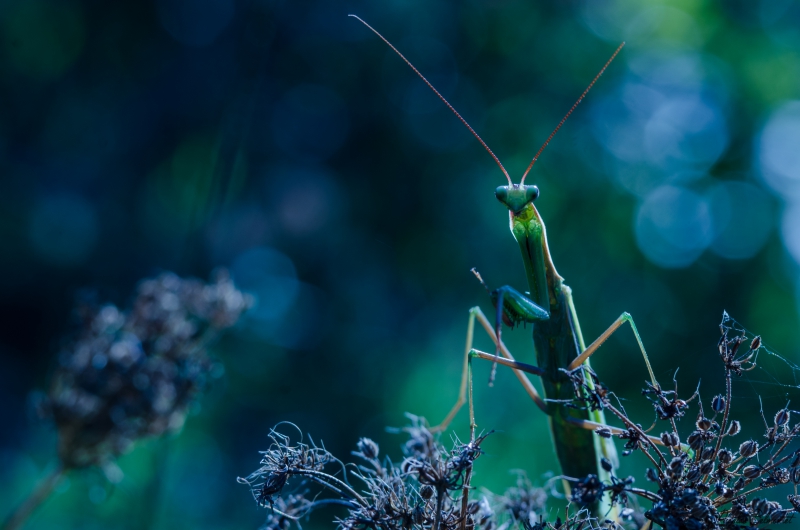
pixel 727 411
pixel 42 491
pixel 437 518
pixel 465 499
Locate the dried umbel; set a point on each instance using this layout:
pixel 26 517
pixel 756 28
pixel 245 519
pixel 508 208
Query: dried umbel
pixel 429 489
pixel 703 476
pixel 711 482
pixel 133 374
pixel 524 502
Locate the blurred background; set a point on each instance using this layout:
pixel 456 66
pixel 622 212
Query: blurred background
pixel 284 141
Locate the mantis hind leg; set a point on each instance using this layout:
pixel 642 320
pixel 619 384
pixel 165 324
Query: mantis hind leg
pixel 466 376
pixel 593 347
pixel 606 446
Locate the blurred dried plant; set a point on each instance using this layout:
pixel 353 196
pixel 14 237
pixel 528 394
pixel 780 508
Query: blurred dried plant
pixel 133 374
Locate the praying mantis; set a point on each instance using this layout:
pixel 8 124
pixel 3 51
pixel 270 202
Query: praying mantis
pixel 548 305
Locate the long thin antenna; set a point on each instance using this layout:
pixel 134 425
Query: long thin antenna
pixel 440 96
pixel 539 152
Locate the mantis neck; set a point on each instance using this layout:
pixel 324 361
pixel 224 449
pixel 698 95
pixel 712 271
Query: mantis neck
pixel 543 280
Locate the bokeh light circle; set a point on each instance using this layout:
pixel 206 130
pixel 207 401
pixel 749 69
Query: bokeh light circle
pixel 270 277
pixel 743 219
pixel 673 226
pixel 685 131
pixel 790 231
pixel 778 156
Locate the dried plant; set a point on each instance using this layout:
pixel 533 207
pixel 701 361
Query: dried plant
pixel 705 480
pixel 702 480
pixel 133 374
pixel 429 489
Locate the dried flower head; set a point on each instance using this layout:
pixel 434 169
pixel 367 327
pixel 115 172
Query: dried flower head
pixel 709 483
pixel 428 490
pixel 133 374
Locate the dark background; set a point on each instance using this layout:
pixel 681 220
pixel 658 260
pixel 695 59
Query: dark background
pixel 286 142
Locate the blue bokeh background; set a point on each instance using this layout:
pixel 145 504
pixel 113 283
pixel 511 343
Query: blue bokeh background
pixel 284 141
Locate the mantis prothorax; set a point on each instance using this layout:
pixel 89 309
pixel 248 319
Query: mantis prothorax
pixel 549 307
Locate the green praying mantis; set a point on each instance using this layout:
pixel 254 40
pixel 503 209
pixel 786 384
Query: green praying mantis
pixel 549 307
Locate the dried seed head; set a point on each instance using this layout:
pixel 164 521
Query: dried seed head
pixel 603 432
pixel 676 465
pixel 703 423
pixel 651 474
pixel 782 418
pixel 426 492
pixel 751 472
pixel 693 474
pixel 695 440
pixel 707 467
pixel 795 475
pixel 794 500
pixel 734 428
pixel 409 465
pixel 700 509
pixel 718 403
pixel 748 448
pixel 725 456
pixel 719 488
pixel 740 511
pixel 368 448
pixel 729 493
pixel 756 344
pixel 781 475
pixel 707 453
pixel 778 516
pixel 606 463
pixel 760 506
pixel 670 439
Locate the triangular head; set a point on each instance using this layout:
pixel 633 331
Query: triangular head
pixel 516 196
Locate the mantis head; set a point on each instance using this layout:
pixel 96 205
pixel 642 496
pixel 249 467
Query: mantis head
pixel 516 197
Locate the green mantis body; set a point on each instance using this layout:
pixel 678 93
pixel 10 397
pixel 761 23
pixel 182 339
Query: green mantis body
pixel 557 338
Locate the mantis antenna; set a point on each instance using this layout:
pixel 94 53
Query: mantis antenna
pixel 467 125
pixel 440 96
pixel 539 152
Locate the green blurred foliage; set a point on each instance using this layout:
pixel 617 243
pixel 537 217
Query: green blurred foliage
pixel 286 142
